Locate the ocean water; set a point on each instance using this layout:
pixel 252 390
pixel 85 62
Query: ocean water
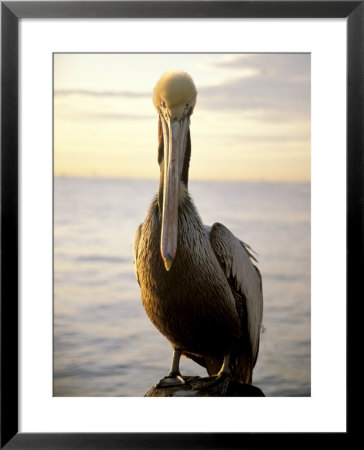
pixel 104 343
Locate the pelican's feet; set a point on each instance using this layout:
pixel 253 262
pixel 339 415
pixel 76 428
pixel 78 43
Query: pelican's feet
pixel 218 384
pixel 171 380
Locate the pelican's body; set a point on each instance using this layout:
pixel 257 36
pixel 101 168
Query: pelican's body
pixel 198 285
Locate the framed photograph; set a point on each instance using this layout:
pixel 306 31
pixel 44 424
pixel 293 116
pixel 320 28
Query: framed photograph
pixel 274 139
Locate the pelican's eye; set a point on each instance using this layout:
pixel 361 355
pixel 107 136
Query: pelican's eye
pixel 163 104
pixel 188 108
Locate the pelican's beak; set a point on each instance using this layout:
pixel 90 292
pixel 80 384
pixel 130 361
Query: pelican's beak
pixel 175 140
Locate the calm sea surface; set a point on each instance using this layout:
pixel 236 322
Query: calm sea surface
pixel 104 343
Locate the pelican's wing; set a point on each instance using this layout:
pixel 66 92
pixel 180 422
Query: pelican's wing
pixel 135 250
pixel 235 258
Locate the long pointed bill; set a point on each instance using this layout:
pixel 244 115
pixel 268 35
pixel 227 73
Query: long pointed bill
pixel 174 137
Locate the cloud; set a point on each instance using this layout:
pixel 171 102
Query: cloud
pixel 278 90
pixel 87 116
pixel 95 109
pixel 107 94
pixel 269 87
pixel 292 64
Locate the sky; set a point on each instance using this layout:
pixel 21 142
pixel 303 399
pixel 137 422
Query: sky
pixel 251 120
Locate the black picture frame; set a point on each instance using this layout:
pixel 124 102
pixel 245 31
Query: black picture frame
pixel 11 13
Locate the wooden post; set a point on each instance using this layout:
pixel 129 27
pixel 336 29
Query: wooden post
pixel 195 387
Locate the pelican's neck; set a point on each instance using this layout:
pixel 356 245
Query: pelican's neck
pixel 186 165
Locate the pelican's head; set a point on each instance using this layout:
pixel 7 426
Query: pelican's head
pixel 174 95
pixel 174 98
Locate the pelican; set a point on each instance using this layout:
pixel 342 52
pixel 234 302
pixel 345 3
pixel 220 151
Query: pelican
pixel 199 285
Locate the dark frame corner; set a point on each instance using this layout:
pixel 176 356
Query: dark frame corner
pixel 11 12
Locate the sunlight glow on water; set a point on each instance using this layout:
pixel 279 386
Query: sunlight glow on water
pixel 104 343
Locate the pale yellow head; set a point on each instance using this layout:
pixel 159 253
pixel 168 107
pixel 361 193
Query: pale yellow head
pixel 176 93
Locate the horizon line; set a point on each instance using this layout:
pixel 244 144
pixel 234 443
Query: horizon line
pixel 191 179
